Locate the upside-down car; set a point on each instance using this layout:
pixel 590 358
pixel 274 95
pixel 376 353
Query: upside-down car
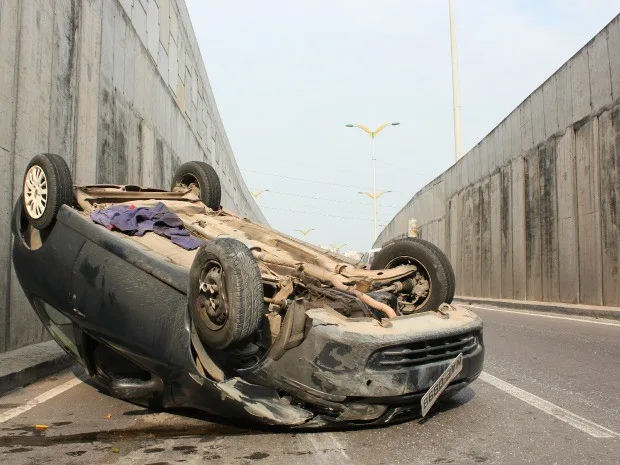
pixel 252 323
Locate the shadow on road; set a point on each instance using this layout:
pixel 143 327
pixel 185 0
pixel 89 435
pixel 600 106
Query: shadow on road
pixel 212 424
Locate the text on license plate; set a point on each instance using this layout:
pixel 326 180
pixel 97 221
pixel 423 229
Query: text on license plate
pixel 442 382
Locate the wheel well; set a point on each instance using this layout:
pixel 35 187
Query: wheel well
pixel 110 364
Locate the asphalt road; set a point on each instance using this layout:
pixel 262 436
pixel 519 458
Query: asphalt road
pixel 550 393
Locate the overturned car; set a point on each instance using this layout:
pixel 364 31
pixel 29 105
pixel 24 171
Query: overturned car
pixel 247 323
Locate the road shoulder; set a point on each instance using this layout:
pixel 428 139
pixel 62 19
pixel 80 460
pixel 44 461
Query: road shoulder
pixel 592 311
pixel 26 365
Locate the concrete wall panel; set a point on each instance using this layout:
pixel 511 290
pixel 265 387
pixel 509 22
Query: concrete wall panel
pixel 550 108
pixel 518 229
pixel 121 29
pixel 441 236
pixel 599 71
pixel 506 232
pixel 112 140
pixel 467 262
pixel 484 158
pixel 485 237
pixel 88 60
pixel 533 229
pixel 588 210
pixel 514 126
pixel 564 95
pixel 609 131
pixel 31 134
pixel 491 150
pixel 527 132
pixel 459 264
pixel 9 17
pixel 568 250
pixel 549 221
pixel 580 85
pixel 453 229
pixel 64 74
pixel 152 28
pixel 538 116
pixel 613 47
pixel 476 246
pixel 495 200
pixel 500 145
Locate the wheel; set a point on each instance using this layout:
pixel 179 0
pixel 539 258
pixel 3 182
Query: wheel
pixel 226 297
pixel 47 186
pixel 201 176
pixel 434 271
pixel 446 264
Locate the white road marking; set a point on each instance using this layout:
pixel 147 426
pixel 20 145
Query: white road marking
pixel 564 415
pixel 557 317
pixel 321 444
pixel 12 413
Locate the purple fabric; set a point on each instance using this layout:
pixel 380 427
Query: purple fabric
pixel 138 221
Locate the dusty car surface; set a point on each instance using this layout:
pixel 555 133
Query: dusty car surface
pixel 252 323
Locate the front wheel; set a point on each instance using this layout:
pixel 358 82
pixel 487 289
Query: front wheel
pixel 226 296
pixel 433 282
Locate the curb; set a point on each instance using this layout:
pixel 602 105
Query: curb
pixel 26 365
pixel 592 311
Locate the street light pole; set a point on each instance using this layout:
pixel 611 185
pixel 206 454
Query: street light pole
pixel 374 187
pixel 456 98
pixel 374 196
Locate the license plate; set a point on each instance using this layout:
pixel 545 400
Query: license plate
pixel 442 382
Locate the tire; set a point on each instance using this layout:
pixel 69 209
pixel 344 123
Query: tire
pixel 204 177
pixel 429 260
pixel 233 312
pixel 445 262
pixel 46 187
pixel 449 270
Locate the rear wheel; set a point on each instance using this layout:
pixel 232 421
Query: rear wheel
pixel 202 177
pixel 226 297
pixel 47 186
pixel 434 278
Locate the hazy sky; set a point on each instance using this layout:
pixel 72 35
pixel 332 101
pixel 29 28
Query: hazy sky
pixel 288 75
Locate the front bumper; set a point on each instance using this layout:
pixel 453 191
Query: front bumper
pixel 354 370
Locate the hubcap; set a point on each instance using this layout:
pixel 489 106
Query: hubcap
pixel 211 299
pixel 35 192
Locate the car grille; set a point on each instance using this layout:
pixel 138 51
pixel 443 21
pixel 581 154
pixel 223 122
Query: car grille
pixel 423 352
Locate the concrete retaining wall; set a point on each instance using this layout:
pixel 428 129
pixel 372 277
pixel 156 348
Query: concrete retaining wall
pixel 532 211
pixel 119 89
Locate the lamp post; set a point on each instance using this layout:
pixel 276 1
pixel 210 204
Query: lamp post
pixel 374 196
pixel 456 98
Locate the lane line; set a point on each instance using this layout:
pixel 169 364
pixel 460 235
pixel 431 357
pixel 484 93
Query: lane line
pixel 339 447
pixel 587 426
pixel 557 317
pixel 9 414
pixel 320 443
